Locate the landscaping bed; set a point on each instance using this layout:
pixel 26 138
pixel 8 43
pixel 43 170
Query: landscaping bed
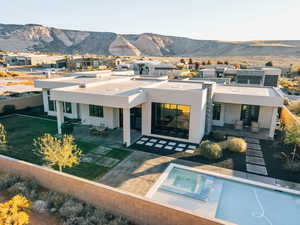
pixel 54 208
pixel 229 160
pixel 274 161
pixel 22 130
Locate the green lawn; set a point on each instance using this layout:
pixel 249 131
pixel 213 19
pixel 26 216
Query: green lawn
pixel 22 130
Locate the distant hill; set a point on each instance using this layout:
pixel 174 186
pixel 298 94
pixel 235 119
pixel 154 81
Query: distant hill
pixel 34 37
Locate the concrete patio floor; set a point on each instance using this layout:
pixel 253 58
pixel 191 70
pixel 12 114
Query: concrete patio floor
pixel 113 138
pixel 139 171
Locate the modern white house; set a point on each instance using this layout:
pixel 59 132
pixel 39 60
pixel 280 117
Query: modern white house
pixel 182 110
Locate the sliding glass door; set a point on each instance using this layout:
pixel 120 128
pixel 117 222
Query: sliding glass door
pixel 170 120
pixel 249 113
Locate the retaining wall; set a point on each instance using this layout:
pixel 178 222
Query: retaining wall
pixel 138 209
pixel 22 102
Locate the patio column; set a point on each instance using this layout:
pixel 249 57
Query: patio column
pixel 273 122
pixel 60 115
pixel 126 126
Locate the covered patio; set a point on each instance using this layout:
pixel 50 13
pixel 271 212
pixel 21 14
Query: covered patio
pixel 112 137
pixel 229 130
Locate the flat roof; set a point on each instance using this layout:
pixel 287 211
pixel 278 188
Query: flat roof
pixel 19 88
pixel 179 85
pixel 242 90
pixel 83 79
pixel 122 88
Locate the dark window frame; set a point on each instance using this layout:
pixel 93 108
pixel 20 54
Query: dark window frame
pixel 96 111
pixel 217 109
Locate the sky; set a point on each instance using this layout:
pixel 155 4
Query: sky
pixel 229 20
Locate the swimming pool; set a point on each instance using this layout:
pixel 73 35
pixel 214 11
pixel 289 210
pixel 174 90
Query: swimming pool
pixel 231 199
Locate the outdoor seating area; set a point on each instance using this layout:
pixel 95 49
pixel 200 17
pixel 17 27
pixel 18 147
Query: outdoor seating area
pixel 239 130
pixel 102 135
pixel 239 125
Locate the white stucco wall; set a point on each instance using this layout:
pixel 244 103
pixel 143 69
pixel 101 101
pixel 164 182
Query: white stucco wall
pixel 265 116
pixel 110 117
pixel 73 115
pixel 232 112
pixel 195 99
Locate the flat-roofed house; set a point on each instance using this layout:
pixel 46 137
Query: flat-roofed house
pixel 182 110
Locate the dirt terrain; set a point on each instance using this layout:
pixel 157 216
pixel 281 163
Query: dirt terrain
pixel 34 217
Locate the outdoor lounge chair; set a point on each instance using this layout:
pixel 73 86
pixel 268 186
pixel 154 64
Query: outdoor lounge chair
pixel 238 125
pixel 254 127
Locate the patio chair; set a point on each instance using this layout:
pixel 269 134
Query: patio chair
pixel 238 125
pixel 254 127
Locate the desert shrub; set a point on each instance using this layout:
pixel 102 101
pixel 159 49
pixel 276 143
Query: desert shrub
pixel 7 181
pixel 219 135
pixel 236 144
pixel 71 208
pixel 26 188
pixel 3 135
pixel 8 109
pixel 211 150
pixel 55 199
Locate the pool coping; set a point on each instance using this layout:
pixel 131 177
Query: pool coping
pixel 160 180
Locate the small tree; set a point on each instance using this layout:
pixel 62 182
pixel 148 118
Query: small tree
pixel 270 63
pixel 203 63
pixel 208 62
pixel 15 211
pixel 190 61
pixel 58 151
pixel 182 61
pixel 292 137
pixel 3 135
pixel 197 65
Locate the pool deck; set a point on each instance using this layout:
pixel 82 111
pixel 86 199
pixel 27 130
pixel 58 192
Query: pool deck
pixel 140 170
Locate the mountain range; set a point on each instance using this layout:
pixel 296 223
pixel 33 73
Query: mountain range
pixel 35 37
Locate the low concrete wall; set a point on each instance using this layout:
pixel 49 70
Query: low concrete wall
pixel 137 209
pixel 22 102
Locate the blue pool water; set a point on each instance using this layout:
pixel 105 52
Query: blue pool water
pixel 229 200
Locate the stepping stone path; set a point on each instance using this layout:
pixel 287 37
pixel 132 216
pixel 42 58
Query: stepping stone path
pixel 97 156
pixel 158 144
pixel 255 162
pixel 257 169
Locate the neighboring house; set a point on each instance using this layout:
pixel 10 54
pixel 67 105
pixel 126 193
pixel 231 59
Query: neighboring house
pixel 150 67
pixel 31 59
pixel 183 110
pixel 81 63
pixel 263 77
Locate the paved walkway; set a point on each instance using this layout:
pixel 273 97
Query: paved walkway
pixel 140 170
pixel 255 162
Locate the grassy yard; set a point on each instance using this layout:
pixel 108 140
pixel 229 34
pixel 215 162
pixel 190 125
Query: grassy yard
pixel 22 130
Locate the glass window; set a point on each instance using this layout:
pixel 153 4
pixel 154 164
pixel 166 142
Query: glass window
pixel 217 111
pixel 170 120
pixel 51 103
pixel 249 113
pixel 67 106
pixel 96 110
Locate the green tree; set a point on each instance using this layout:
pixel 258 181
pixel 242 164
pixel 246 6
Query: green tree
pixel 203 63
pixel 208 62
pixel 61 152
pixel 3 135
pixel 270 63
pixel 197 65
pixel 292 137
